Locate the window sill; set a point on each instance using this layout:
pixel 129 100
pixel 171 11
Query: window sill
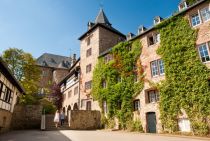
pixel 207 62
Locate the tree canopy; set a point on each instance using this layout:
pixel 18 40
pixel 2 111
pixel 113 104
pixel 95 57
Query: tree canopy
pixel 24 68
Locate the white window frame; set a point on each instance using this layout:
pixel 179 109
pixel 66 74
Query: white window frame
pixel 204 9
pixel 207 46
pixel 191 19
pixel 158 73
pixel 136 105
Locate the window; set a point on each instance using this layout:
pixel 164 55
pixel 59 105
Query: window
pixel 88 68
pixel 6 94
pixel 105 107
pixel 88 105
pixel 205 14
pixel 64 96
pixel 88 85
pixel 135 77
pixel 153 96
pixel 44 73
pixel 104 84
pixel 76 90
pixel 203 51
pixel 157 67
pixel 195 20
pixel 153 39
pixel 1 87
pixel 136 105
pixel 161 66
pixel 108 58
pixel 88 41
pixel 69 93
pixel 88 52
pixel 119 79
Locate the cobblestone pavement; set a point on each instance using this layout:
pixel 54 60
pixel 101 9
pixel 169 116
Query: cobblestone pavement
pixel 67 135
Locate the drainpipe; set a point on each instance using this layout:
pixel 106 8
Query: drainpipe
pixel 79 91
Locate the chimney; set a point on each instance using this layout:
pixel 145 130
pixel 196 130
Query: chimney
pixel 90 25
pixel 157 20
pixel 74 58
pixel 71 60
pixel 129 36
pixel 141 29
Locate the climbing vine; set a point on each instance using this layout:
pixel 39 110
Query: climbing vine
pixel 186 77
pixel 113 82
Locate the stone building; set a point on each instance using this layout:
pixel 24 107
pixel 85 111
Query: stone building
pixel 147 101
pixel 54 68
pixel 70 88
pixel 10 90
pixel 99 37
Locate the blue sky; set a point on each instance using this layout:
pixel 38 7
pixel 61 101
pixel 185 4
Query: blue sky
pixel 53 26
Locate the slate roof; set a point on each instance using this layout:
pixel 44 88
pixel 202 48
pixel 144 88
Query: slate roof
pixel 55 61
pixel 8 74
pixel 102 21
pixel 101 18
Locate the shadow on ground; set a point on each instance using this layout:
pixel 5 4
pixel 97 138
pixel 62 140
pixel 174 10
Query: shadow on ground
pixel 33 135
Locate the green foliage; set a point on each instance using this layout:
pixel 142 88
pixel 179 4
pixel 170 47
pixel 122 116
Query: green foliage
pixel 191 2
pixel 186 84
pixel 48 107
pixel 119 75
pixel 24 68
pixel 135 126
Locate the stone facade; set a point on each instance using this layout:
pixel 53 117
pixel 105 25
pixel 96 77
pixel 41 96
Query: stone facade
pixel 70 89
pixel 99 39
pixel 85 120
pixel 149 54
pixel 27 117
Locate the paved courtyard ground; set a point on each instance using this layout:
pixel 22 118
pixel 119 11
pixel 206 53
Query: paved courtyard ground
pixel 66 135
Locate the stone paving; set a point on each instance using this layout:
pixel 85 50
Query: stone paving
pixel 72 135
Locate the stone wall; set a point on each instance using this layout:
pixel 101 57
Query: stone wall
pixel 85 120
pixel 5 120
pixel 27 117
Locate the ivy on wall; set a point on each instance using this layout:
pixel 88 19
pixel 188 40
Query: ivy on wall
pixel 186 77
pixel 114 83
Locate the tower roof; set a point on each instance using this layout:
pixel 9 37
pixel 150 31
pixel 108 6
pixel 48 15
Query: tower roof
pixel 101 18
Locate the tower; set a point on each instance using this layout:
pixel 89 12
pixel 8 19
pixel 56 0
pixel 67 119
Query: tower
pixel 99 38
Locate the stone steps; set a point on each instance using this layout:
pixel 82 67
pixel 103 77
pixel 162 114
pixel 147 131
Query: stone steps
pixel 50 125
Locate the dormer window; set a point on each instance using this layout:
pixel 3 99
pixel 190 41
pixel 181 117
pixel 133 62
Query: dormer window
pixel 130 36
pixel 157 20
pixel 183 5
pixel 141 29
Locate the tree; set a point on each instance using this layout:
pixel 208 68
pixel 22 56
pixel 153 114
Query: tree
pixel 24 68
pixel 57 96
pixel 15 61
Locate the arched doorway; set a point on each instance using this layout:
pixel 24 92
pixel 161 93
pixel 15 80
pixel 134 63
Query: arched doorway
pixel 151 122
pixel 75 107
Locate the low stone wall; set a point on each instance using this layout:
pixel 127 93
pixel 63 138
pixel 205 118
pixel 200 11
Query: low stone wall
pixel 5 120
pixel 26 117
pixel 85 120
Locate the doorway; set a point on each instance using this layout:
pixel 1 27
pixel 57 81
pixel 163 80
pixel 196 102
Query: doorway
pixel 151 122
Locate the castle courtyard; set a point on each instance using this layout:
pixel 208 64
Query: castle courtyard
pixel 72 135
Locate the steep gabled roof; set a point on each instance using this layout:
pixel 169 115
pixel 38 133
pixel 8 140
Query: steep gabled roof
pixel 101 18
pixel 55 61
pixel 102 21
